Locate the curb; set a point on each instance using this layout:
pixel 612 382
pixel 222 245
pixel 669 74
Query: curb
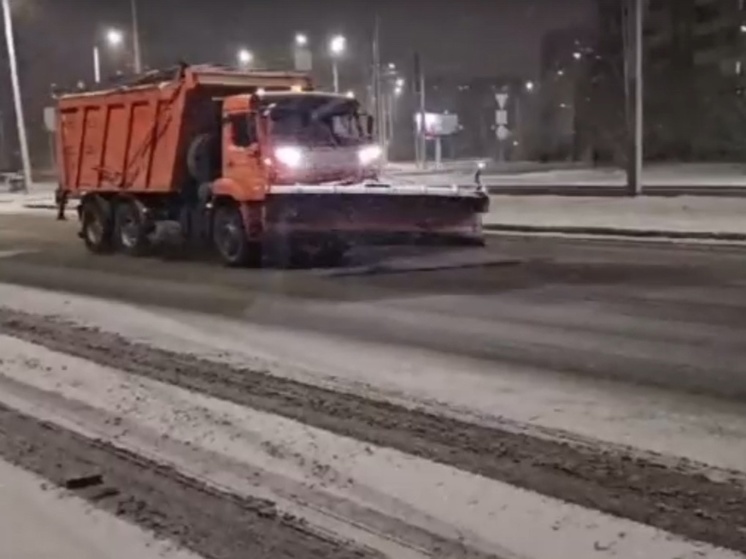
pixel 619 232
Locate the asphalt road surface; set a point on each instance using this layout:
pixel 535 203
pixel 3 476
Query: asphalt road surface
pixel 606 374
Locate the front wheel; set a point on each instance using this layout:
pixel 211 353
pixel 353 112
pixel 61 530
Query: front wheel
pixel 230 240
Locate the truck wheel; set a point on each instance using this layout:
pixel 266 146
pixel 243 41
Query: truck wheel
pixel 131 229
pixel 230 240
pixel 96 225
pixel 201 158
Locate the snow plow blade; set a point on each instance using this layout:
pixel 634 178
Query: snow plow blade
pixel 378 212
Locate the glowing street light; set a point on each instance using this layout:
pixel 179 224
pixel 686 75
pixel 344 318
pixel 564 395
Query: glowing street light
pixel 399 83
pixel 114 39
pixel 337 47
pixel 530 86
pixel 301 40
pixel 350 94
pixel 245 57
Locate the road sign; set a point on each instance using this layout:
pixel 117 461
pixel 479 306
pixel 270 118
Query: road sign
pixel 502 133
pixel 303 59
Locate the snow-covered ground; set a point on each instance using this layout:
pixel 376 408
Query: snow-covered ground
pixel 40 523
pixel 528 174
pixel 677 214
pixel 307 471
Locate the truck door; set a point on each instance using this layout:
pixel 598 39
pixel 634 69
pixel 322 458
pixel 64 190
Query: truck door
pixel 242 158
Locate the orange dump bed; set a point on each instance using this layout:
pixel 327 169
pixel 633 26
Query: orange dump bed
pixel 136 137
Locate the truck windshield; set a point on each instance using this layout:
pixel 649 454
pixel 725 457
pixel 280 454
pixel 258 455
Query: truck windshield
pixel 316 121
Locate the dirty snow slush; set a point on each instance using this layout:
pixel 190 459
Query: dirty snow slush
pixel 677 497
pixel 200 518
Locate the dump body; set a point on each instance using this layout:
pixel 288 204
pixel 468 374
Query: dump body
pixel 136 138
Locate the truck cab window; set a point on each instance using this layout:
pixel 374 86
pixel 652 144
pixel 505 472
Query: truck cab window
pixel 244 130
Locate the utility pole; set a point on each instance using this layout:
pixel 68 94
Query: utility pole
pixel 136 38
pixel 377 89
pixel 20 120
pixel 639 99
pixel 633 31
pixel 419 102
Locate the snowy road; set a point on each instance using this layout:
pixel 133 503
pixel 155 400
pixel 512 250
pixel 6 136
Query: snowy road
pixel 534 396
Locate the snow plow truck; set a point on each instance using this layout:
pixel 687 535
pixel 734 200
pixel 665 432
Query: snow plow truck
pixel 240 161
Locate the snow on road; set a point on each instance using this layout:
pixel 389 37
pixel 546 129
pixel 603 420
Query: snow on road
pixel 694 427
pixel 379 497
pixel 39 523
pixel 675 214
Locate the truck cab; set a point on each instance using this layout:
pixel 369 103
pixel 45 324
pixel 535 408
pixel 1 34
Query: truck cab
pixel 284 138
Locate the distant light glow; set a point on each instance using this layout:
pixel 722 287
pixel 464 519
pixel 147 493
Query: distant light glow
pixel 114 37
pixel 350 94
pixel 399 83
pixel 245 56
pixel 301 39
pixel 577 55
pixel 530 86
pixel 338 45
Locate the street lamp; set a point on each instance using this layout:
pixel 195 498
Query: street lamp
pixel 114 39
pixel 20 121
pixel 136 37
pixel 530 86
pixel 337 47
pixel 245 57
pixel 301 40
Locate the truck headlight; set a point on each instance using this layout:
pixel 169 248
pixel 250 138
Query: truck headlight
pixel 369 154
pixel 289 155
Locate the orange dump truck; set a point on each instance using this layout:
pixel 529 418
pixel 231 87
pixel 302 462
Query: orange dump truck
pixel 240 160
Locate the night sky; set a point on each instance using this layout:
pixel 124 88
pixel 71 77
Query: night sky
pixel 456 38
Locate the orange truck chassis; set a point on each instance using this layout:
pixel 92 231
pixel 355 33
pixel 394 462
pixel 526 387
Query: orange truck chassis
pixel 241 161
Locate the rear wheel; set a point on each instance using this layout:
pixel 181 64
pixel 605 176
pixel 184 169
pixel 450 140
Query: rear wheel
pixel 131 229
pixel 96 225
pixel 230 239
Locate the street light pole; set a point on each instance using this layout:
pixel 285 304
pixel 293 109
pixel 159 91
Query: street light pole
pixel 96 64
pixel 335 75
pixel 337 46
pixel 136 38
pixel 636 189
pixel 633 32
pixel 20 121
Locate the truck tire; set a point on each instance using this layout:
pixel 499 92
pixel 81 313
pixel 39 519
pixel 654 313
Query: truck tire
pixel 131 229
pixel 230 239
pixel 96 225
pixel 201 158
